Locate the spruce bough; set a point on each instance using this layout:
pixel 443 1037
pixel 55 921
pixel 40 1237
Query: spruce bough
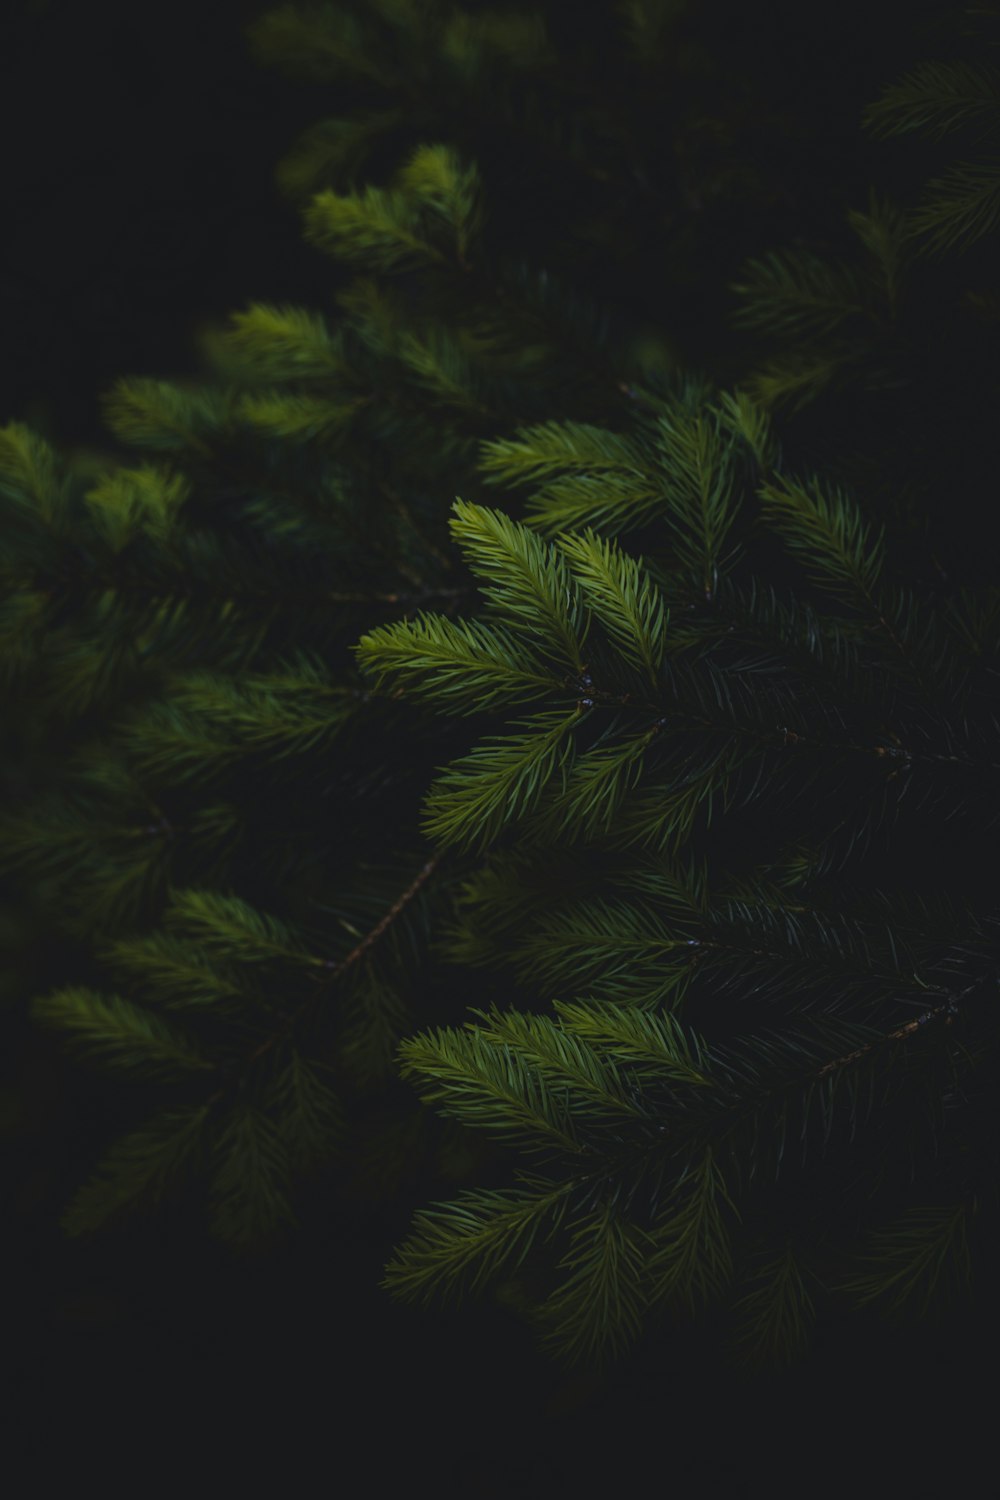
pixel 687 748
pixel 734 834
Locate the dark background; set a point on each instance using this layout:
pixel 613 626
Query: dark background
pixel 140 143
pixel 138 200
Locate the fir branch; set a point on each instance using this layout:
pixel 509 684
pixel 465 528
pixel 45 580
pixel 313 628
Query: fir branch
pixel 959 207
pixel 498 782
pixel 275 342
pixel 248 1193
pixel 698 463
pixel 456 1247
pixel 907 1261
pixel 328 971
pixel 119 1033
pixel 162 414
pixel 227 927
pixel 527 579
pixel 306 1111
pixel 597 1310
pixel 937 98
pixel 691 1260
pixel 322 43
pixel 464 666
pixel 774 1314
pixel 825 527
pixel 623 597
pixel 30 480
pixel 563 1054
pixel 139 1168
pixel 492 1087
pixel 798 294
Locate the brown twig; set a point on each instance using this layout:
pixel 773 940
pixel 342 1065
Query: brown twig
pixel 403 900
pixel 333 970
pixel 948 1009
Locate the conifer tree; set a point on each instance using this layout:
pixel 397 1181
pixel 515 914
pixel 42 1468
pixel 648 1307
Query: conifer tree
pixel 180 602
pixel 460 641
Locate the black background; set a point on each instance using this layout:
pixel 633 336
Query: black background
pixel 140 144
pixel 137 200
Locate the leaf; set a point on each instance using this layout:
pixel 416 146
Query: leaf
pixel 118 1033
pixel 378 227
pixel 750 422
pixel 441 365
pixel 457 1247
pixel 376 1013
pixel 465 666
pixel 29 476
pixel 227 927
pixel 700 484
pixel 139 1168
pixel 906 1261
pixel 597 1310
pixel 563 1056
pixel 624 598
pixel 463 1073
pixel 797 294
pixel 799 376
pixel 284 414
pixel 935 99
pixel 435 175
pixel 691 1261
pixel 128 501
pixel 249 1189
pixel 618 502
pixel 527 579
pixel 163 414
pixel 653 1041
pixel 546 449
pixel 171 971
pixel 611 949
pixel 288 711
pixel 274 342
pixel 499 782
pixel 884 231
pixel 332 151
pixel 824 526
pixel 322 43
pixel 959 207
pixel 774 1315
pixel 306 1110
pixel 585 805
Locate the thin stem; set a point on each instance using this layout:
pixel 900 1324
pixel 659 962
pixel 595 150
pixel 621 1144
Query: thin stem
pixel 334 970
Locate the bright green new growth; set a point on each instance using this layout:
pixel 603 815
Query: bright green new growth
pixel 390 228
pixel 29 476
pixel 499 781
pixel 527 580
pixel 462 665
pixel 601 620
pixel 551 596
pixel 622 597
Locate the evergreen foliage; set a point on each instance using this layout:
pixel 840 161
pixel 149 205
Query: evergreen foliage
pixel 463 639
